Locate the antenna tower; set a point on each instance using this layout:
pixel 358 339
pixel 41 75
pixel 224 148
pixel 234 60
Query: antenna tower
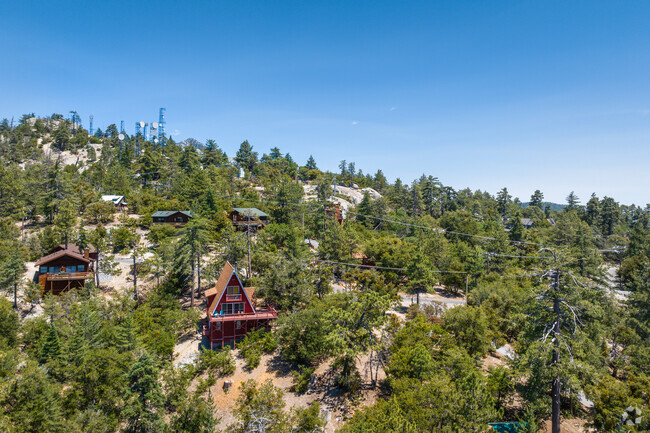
pixel 90 129
pixel 74 117
pixel 154 131
pixel 161 125
pixel 122 126
pixel 138 128
pixel 145 133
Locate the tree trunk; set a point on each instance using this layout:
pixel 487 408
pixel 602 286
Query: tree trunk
pixel 97 270
pixel 192 291
pixel 15 296
pixel 135 278
pixel 198 271
pixel 557 384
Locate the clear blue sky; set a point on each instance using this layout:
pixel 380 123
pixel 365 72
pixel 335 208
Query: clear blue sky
pixel 552 95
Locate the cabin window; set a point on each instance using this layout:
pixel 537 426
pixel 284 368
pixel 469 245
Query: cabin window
pixel 43 270
pixel 218 325
pixel 227 308
pixel 179 219
pixel 80 268
pixel 71 269
pixel 233 290
pixel 238 324
pixel 239 307
pixel 54 270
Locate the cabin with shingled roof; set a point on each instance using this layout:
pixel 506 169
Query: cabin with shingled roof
pixel 231 310
pixel 65 268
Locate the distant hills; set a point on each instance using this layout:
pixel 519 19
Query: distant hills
pixel 554 206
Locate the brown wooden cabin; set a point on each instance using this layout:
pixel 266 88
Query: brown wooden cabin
pixel 231 310
pixel 175 217
pixel 244 217
pixel 65 269
pixel 333 210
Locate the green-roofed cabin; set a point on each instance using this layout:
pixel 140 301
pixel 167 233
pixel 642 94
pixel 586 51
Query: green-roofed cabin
pixel 245 217
pixel 175 217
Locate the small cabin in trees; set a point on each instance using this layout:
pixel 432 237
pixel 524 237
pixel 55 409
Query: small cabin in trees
pixel 528 223
pixel 244 217
pixel 66 268
pixel 175 217
pixel 117 200
pixel 334 211
pixel 231 310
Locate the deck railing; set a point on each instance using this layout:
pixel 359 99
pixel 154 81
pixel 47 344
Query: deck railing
pixel 68 276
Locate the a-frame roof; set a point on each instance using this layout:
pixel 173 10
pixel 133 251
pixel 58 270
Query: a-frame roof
pixel 219 288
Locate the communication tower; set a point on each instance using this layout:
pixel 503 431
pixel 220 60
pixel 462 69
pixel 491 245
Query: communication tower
pixel 90 128
pixel 76 121
pixel 145 133
pixel 161 125
pixel 154 130
pixel 138 128
pixel 122 126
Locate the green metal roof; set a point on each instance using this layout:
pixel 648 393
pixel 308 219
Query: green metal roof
pixel 251 210
pixel 167 213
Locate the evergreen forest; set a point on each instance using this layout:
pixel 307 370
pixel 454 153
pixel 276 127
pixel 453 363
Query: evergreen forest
pixel 426 309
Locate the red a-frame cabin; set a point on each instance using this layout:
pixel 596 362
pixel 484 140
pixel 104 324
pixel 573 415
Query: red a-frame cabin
pixel 231 310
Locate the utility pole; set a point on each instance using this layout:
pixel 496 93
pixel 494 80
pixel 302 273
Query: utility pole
pixel 248 235
pixel 555 416
pixel 192 245
pixel 135 272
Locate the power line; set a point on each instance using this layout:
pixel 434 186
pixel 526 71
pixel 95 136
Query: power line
pixel 516 257
pixel 440 230
pixel 436 229
pixel 361 266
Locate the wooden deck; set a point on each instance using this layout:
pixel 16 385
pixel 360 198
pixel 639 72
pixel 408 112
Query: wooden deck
pixel 258 315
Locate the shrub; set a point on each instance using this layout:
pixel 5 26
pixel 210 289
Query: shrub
pixel 301 380
pixel 222 361
pixel 254 344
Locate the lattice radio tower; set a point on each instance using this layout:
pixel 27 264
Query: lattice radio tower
pixel 161 126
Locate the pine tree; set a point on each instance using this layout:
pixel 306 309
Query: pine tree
pixel 311 163
pixel 365 208
pixel 65 220
pixel 51 349
pixel 503 199
pixel 246 158
pixel 572 201
pixel 144 399
pixel 537 199
pixel 125 334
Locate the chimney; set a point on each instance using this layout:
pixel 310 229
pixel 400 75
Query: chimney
pixel 86 253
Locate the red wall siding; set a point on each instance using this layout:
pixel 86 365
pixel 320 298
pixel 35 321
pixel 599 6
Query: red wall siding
pixel 234 281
